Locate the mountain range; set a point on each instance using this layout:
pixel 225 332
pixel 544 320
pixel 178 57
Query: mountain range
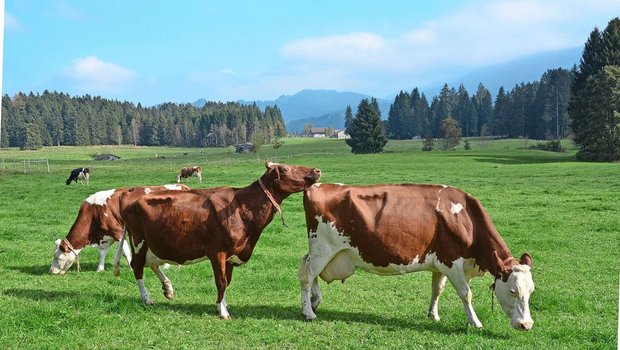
pixel 323 108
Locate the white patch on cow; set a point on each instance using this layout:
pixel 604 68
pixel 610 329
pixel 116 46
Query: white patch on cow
pixel 173 187
pixel 100 198
pixel 339 184
pixel 270 164
pixel 316 184
pixel 444 186
pixel 455 208
pixel 147 190
pixel 235 260
pixel 139 246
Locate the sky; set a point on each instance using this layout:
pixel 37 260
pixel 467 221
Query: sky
pixel 155 51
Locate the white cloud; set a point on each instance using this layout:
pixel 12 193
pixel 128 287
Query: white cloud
pixel 93 75
pixel 339 48
pixel 477 34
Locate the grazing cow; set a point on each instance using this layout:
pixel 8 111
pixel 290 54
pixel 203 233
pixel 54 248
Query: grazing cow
pixel 188 172
pixel 220 224
pixel 98 223
pixel 79 174
pixel 396 229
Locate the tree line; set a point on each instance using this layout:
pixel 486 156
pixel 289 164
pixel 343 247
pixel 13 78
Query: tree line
pixel 54 119
pixel 536 110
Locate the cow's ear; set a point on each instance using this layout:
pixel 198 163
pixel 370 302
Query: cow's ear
pixel 269 164
pixel 526 259
pixel 57 243
pixel 499 265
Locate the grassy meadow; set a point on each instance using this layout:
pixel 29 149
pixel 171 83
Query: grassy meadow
pixel 564 213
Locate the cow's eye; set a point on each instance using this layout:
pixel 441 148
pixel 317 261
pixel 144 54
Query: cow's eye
pixel 513 291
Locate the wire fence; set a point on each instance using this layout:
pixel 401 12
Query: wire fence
pixel 25 166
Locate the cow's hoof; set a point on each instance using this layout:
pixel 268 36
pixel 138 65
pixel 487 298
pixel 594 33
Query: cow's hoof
pixel 225 317
pixel 309 317
pixel 116 271
pixel 169 295
pixel 434 318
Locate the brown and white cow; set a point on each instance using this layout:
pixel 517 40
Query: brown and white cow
pixel 99 224
pixel 396 229
pixel 220 224
pixel 188 172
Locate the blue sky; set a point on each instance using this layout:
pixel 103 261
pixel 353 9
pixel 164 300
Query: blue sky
pixel 153 51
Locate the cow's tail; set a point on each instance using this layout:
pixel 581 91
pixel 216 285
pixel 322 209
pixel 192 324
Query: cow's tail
pixel 117 257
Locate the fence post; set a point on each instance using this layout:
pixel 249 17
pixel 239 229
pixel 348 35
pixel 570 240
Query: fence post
pixel 47 161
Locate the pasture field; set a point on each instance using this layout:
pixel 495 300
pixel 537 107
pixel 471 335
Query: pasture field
pixel 564 213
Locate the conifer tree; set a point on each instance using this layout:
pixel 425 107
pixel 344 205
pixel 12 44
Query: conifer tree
pixel 348 118
pixel 366 130
pixel 595 108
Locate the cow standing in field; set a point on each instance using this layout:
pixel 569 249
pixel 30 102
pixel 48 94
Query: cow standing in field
pixel 98 223
pixel 82 174
pixel 396 229
pixel 220 224
pixel 188 172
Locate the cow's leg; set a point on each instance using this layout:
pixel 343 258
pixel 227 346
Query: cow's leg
pixel 137 265
pixel 310 292
pixel 315 294
pixel 103 251
pixel 166 285
pixel 218 262
pixel 459 282
pixel 127 252
pixel 439 283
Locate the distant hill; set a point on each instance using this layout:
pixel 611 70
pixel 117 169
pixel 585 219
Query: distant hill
pixel 326 107
pixel 511 73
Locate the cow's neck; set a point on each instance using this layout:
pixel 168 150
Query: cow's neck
pixel 260 215
pixel 78 236
pixel 486 246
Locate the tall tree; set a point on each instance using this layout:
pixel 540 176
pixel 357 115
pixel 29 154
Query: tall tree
pixel 594 109
pixel 450 134
pixel 399 118
pixel 484 108
pixel 348 118
pixel 366 130
pixel 501 113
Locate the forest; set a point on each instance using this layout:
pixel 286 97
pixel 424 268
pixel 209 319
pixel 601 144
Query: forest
pixel 52 119
pixel 535 110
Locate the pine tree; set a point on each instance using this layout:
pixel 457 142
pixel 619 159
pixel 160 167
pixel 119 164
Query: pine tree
pixel 594 108
pixel 484 108
pixel 399 118
pixel 348 119
pixel 366 130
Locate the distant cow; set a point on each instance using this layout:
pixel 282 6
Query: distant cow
pixel 99 224
pixel 396 229
pixel 220 224
pixel 189 171
pixel 79 174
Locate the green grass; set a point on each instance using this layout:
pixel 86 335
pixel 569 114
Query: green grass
pixel 563 212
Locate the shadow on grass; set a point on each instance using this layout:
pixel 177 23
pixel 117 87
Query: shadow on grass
pixel 520 158
pixel 258 312
pixel 38 270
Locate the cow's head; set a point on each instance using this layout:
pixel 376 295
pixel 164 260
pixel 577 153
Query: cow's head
pixel 513 288
pixel 63 258
pixel 291 178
